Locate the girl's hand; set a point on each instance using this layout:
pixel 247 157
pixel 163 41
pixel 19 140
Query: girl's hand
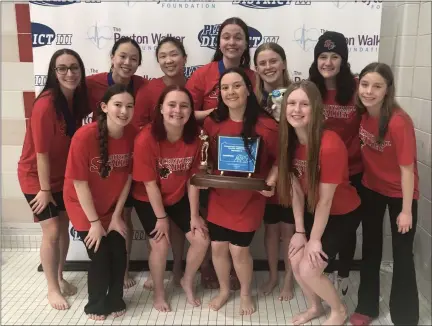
pixel 41 201
pixel 161 229
pixel 95 235
pixel 119 225
pixel 198 224
pixel 315 254
pixel 298 241
pixel 404 222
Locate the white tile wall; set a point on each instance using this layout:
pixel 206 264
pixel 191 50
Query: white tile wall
pixel 405 51
pixel 12 105
pixel 424 27
pixel 9 158
pixel 408 19
pixel 423 52
pixel 17 76
pixel 403 80
pixel 422 83
pixel 387 49
pixel 9 48
pixel 10 185
pixel 8 22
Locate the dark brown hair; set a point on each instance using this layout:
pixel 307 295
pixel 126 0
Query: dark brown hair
pixel 115 89
pixel 389 103
pixel 288 142
pixel 190 131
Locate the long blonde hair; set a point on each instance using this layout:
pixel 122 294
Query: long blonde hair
pixel 285 75
pixel 288 142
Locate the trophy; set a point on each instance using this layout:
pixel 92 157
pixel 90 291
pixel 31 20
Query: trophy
pixel 231 157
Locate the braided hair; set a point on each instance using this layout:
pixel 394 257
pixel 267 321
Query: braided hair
pixel 105 167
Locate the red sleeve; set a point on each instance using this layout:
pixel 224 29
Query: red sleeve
pixel 333 159
pixel 43 124
pixel 196 87
pixel 143 106
pixel 402 133
pixel 144 160
pixel 78 166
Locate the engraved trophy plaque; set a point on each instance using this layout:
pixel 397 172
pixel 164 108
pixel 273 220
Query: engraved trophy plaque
pixel 232 157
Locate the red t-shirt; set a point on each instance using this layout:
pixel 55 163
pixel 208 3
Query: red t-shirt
pixel 83 164
pixel 169 164
pixel 97 85
pixel 241 210
pixel 333 162
pixel 345 121
pixel 204 85
pixel 382 161
pixel 45 134
pixel 146 100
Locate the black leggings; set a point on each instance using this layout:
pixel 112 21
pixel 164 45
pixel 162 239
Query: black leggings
pixel 404 303
pixel 105 275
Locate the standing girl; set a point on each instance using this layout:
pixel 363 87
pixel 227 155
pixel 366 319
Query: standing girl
pixel 272 73
pixel 167 153
pixel 171 56
pixel 391 181
pixel 57 113
pixel 235 215
pixel 125 59
pixel 331 72
pixel 313 178
pixel 232 50
pixel 98 179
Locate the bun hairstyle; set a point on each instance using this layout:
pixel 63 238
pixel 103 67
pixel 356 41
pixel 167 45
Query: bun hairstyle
pixel 105 168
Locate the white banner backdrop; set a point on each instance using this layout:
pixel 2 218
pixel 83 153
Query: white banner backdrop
pixel 91 28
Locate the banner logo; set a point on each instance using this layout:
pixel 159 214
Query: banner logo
pixel 74 234
pixel 187 4
pixel 40 80
pixel 208 37
pixel 306 38
pixel 44 35
pixel 188 71
pixel 60 3
pixel 373 4
pixel 270 4
pixel 100 35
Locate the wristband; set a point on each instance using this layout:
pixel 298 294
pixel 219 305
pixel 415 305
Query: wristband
pixel 300 232
pixel 95 220
pixel 161 218
pixel 47 190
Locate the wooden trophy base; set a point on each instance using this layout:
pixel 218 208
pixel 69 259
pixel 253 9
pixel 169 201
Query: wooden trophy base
pixel 225 182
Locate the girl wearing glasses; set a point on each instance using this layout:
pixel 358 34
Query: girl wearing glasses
pixel 57 112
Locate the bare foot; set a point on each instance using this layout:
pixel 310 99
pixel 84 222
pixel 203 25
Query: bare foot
pixel 218 301
pixel 128 281
pixel 286 293
pixel 57 301
pixel 247 306
pixel 190 295
pixel 304 317
pixel 268 287
pixel 118 313
pixel 148 284
pixel 337 317
pixel 160 304
pixel 96 317
pixel 67 289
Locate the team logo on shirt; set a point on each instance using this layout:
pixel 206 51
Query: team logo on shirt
pixel 299 167
pixel 366 138
pixel 208 37
pixel 44 35
pixel 115 161
pixel 339 111
pixel 270 4
pixel 166 166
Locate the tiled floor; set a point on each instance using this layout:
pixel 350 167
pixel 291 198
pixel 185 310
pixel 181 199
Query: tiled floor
pixel 23 301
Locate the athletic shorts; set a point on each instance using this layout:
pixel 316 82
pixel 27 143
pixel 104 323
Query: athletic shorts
pixel 219 233
pixel 275 213
pixel 51 210
pixel 179 213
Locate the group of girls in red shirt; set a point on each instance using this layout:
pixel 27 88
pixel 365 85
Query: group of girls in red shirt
pixel 339 153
